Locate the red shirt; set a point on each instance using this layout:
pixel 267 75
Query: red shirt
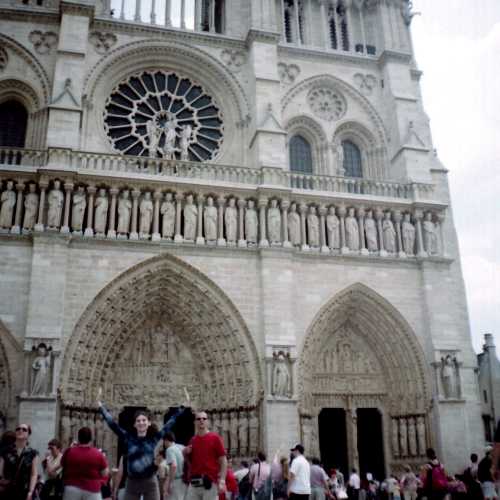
pixel 82 466
pixel 231 484
pixel 207 450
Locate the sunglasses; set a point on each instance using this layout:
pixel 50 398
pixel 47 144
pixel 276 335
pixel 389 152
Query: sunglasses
pixel 24 429
pixel 201 418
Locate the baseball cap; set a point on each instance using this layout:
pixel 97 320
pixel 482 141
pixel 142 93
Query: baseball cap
pixel 298 447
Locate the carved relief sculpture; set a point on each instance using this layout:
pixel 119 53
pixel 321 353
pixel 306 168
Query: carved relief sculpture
pixel 333 229
pixel 30 208
pixel 43 42
pixel 307 435
pixel 185 141
pixel 281 379
pixel 124 209
pixel 40 371
pixel 190 215
pixel 422 441
pixel 389 234
pixel 395 437
pixel 449 376
pixel 371 232
pixel 210 221
pixel 430 235
pixel 233 433
pixel 55 201
pixel 412 437
pixel 65 433
pixel 146 216
pixel 101 212
pixel 102 41
pixel 231 222
pixel 338 151
pixel 251 224
pixel 293 223
pixel 326 103
pixel 167 210
pixel 403 437
pixel 154 132
pixel 225 429
pixel 408 233
pixel 253 432
pixel 274 223
pixel 351 231
pixel 313 228
pixel 79 203
pixel 243 433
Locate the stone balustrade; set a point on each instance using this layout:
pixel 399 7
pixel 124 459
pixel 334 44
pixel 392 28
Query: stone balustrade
pixel 236 218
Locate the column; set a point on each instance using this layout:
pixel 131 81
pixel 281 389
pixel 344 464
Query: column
pixel 134 235
pixel 112 214
pixel 353 420
pixel 242 243
pixel 284 223
pixel 303 232
pixel 137 16
pixel 197 14
pixel 16 228
pixel 157 196
pixel 283 24
pixel 183 14
pixel 221 241
pixel 122 10
pixel 361 227
pixel 178 212
pixel 324 24
pixel 168 18
pixel 200 240
pixel 362 24
pixel 397 222
pixel 39 226
pixel 296 21
pixel 343 244
pixel 417 216
pixel 441 217
pixel 89 230
pixel 379 215
pixel 348 20
pixel 153 12
pixel 322 210
pixel 211 15
pixel 262 223
pixel 68 187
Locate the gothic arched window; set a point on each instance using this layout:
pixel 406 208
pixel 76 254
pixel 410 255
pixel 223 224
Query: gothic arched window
pixel 300 155
pixel 212 16
pixel 13 123
pixel 352 159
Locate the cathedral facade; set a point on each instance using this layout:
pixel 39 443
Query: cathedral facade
pixel 238 200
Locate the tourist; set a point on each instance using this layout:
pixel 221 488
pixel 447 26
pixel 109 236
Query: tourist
pixel 260 478
pixel 208 462
pixel 7 440
pixel 53 486
pixel 85 469
pixel 469 478
pixel 409 484
pixel 174 487
pixel 337 485
pixel 243 471
pixel 433 477
pixel 319 480
pixel 299 485
pixel 393 488
pixel 19 467
pixel 280 475
pixel 140 450
pixel 354 485
pixel 120 479
pixel 485 476
pixel 242 475
pixel 231 483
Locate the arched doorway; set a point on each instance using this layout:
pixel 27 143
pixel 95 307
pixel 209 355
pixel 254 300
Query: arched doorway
pixel 159 328
pixel 363 386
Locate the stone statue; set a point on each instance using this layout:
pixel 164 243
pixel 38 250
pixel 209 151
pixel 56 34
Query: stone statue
pixel 448 376
pixel 351 231
pixel 231 221
pixel 389 233
pixel 333 229
pixel 225 430
pixel 146 215
pixel 412 437
pixel 339 156
pixel 395 437
pixel 281 379
pixel 274 223
pixel 154 135
pixel 371 232
pixel 190 215
pixel 65 428
pixel 79 204
pixel 408 234
pixel 403 437
pixel 422 441
pixel 313 228
pixel 167 210
pixel 185 140
pixel 101 212
pixel 243 433
pixel 251 224
pixel 253 428
pixel 210 221
pixel 124 209
pixel 233 433
pixel 40 371
pixel 55 201
pixel 8 200
pixel 307 435
pixel 430 235
pixel 30 208
pixel 169 148
pixel 293 220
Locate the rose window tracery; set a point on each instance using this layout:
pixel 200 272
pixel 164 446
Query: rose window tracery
pixel 163 115
pixel 327 103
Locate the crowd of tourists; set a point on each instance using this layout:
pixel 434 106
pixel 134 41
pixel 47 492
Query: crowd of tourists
pixel 154 467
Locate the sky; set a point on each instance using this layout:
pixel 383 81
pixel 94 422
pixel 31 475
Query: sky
pixel 457 46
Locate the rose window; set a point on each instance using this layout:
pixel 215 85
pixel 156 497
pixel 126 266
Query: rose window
pixel 327 103
pixel 162 115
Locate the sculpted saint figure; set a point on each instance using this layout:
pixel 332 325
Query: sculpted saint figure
pixel 371 232
pixel 167 210
pixel 339 156
pixel 274 223
pixel 210 220
pixel 231 221
pixel 55 201
pixel 251 224
pixel 184 141
pixel 408 230
pixel 389 233
pixel 253 425
pixel 154 134
pixel 412 437
pixel 40 368
pixel 430 234
pixel 313 227
pixel 233 433
pixel 448 373
pixel 79 203
pixel 395 437
pixel 307 434
pixel 30 208
pixel 146 215
pixel 124 209
pixel 8 200
pixel 293 220
pixel 170 138
pixel 243 433
pixel 351 231
pixel 190 215
pixel 403 437
pixel 333 229
pixel 65 428
pixel 225 429
pixel 101 212
pixel 422 441
pixel 281 377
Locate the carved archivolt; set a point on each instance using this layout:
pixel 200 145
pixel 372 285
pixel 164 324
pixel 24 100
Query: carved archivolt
pixel 152 323
pixel 16 89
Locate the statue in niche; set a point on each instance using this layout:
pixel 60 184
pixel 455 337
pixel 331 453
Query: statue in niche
pixel 243 433
pixel 274 223
pixel 395 437
pixel 231 221
pixel 253 432
pixel 313 227
pixel 448 376
pixel 293 220
pixel 30 208
pixel 339 156
pixel 124 209
pixel 40 371
pixel 167 210
pixel 55 201
pixel 169 148
pixel 185 141
pixel 210 221
pixel 346 357
pixel 101 212
pixel 412 437
pixel 190 215
pixel 430 235
pixel 408 234
pixel 371 232
pixel 8 200
pixel 422 441
pixel 351 231
pixel 333 229
pixel 79 204
pixel 233 433
pixel 251 224
pixel 146 215
pixel 389 233
pixel 154 133
pixel 281 379
pixel 403 437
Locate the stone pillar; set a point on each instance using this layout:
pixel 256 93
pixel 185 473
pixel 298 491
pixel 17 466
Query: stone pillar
pixel 89 230
pixel 221 241
pixel 303 232
pixel 197 14
pixel 397 222
pixel 352 434
pixel 343 243
pixel 134 235
pixel 112 214
pixel 322 229
pixel 200 240
pixel 417 216
pixel 241 223
pixel 183 14
pixel 157 196
pixel 262 223
pixel 168 17
pixel 361 226
pixel 296 21
pixel 68 187
pixel 178 214
pixel 284 223
pixel 16 229
pixel 39 226
pixel 379 215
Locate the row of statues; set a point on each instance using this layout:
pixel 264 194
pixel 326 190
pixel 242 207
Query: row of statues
pixel 408 436
pixel 224 221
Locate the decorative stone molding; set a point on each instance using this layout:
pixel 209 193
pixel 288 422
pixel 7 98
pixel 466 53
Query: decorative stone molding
pixel 43 42
pixel 4 59
pixel 22 91
pixel 234 59
pixel 102 41
pixel 288 73
pixel 365 83
pixel 327 103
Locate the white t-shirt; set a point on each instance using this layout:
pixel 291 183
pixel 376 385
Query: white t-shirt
pixel 301 470
pixel 354 481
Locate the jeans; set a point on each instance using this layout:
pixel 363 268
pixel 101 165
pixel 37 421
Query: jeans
pixel 74 493
pixel 200 493
pixel 147 488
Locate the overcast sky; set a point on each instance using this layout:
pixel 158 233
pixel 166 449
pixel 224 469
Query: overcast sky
pixel 457 45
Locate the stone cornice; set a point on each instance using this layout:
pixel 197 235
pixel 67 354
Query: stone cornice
pixel 395 56
pixel 78 7
pixel 29 14
pixel 255 35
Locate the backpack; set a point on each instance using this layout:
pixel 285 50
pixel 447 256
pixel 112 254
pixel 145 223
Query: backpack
pixel 244 486
pixel 439 480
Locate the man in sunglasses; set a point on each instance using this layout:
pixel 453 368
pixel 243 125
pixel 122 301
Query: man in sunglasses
pixel 208 462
